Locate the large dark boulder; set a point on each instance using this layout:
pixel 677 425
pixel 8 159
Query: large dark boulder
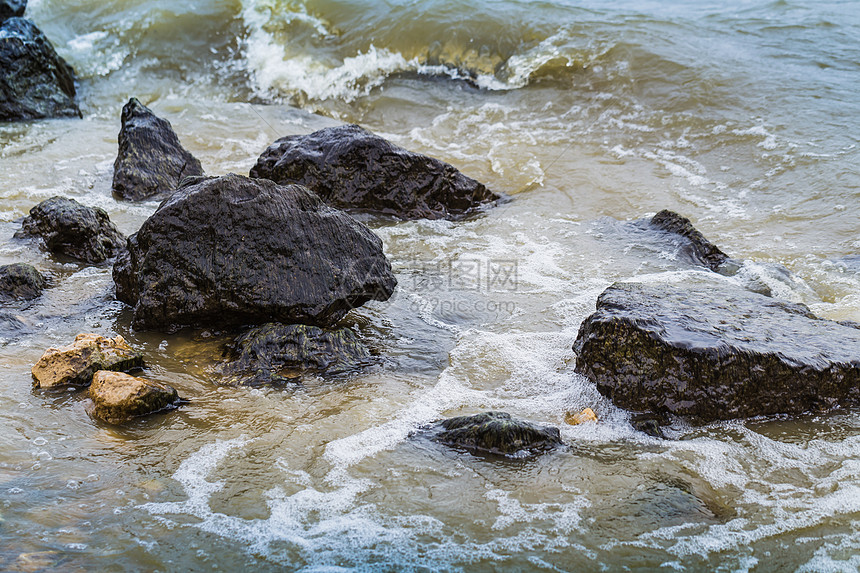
pixel 351 168
pixel 20 281
pixel 69 228
pixel 151 160
pixel 496 433
pixel 277 353
pixel 231 251
pixel 710 350
pixel 12 9
pixel 34 81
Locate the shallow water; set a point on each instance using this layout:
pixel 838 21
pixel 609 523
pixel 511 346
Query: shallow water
pixel 744 119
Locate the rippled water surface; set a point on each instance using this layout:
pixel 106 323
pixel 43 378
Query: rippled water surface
pixel 743 117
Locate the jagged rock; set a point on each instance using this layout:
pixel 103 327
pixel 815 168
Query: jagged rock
pixel 74 230
pixel 351 168
pixel 232 251
pixel 696 246
pixel 75 364
pixel 119 397
pixel 497 433
pixel 710 350
pixel 278 353
pixel 34 81
pixel 20 281
pixel 12 9
pixel 151 160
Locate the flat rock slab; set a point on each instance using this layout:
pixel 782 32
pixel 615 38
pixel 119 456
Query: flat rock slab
pixel 352 168
pixel 233 251
pixel 75 364
pixel 151 161
pixel 710 350
pixel 20 281
pixel 74 230
pixel 119 397
pixel 277 353
pixel 34 81
pixel 496 433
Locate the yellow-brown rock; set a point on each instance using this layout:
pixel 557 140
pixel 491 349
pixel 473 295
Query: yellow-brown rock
pixel 586 415
pixel 75 364
pixel 118 397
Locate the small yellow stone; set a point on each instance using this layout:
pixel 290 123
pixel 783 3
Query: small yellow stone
pixel 586 415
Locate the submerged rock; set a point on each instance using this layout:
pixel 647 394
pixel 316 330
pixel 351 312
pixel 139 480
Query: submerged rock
pixel 20 281
pixel 497 433
pixel 233 251
pixel 696 246
pixel 75 364
pixel 151 160
pixel 119 397
pixel 12 9
pixel 351 168
pixel 711 350
pixel 69 228
pixel 279 353
pixel 34 81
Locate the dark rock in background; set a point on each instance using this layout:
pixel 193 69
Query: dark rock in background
pixel 234 251
pixel 351 168
pixel 151 160
pixel 12 9
pixel 71 229
pixel 20 281
pixel 711 350
pixel 34 81
pixel 698 248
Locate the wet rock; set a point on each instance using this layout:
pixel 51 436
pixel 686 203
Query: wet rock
pixel 711 350
pixel 151 160
pixel 277 353
pixel 586 415
pixel 497 433
pixel 119 397
pixel 233 251
pixel 75 364
pixel 20 281
pixel 696 247
pixel 34 81
pixel 12 9
pixel 351 168
pixel 69 228
pixel 649 424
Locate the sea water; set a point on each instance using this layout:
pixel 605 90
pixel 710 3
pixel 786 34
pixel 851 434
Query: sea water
pixel 743 117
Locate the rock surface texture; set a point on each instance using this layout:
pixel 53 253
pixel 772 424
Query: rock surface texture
pixel 232 251
pixel 351 168
pixel 20 281
pixel 34 81
pixel 71 229
pixel 75 364
pixel 710 350
pixel 151 160
pixel 118 397
pixel 497 433
pixel 278 353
